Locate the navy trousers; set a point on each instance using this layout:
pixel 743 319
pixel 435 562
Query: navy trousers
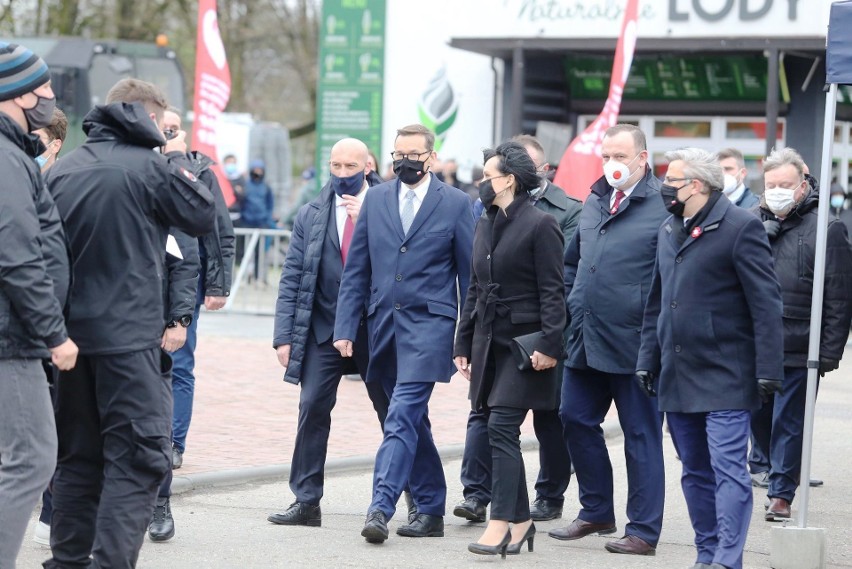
pixel 788 422
pixel 715 481
pixel 587 395
pixel 554 473
pixel 761 434
pixel 322 367
pixel 408 453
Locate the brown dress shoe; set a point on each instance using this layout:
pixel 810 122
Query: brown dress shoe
pixel 779 510
pixel 630 545
pixel 578 528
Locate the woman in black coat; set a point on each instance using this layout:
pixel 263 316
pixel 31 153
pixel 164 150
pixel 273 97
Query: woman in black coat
pixel 516 288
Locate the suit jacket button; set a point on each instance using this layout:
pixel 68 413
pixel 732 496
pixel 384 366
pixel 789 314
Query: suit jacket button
pixel 674 304
pixel 488 257
pixel 592 269
pixel 397 306
pixel 603 231
pixel 677 348
pixel 588 311
pixel 398 278
pixel 403 249
pixel 679 259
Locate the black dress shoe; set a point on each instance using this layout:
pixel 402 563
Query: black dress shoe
pixel 816 483
pixel 162 526
pixel 376 527
pixel 529 537
pixel 423 525
pixel 298 514
pixel 543 509
pixel 471 509
pixel 177 458
pixel 500 548
pixel 412 507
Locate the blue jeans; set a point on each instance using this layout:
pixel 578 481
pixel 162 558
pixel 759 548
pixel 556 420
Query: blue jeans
pixel 183 384
pixel 788 423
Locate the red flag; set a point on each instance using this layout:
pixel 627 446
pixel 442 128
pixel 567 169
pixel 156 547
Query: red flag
pixel 212 89
pixel 581 164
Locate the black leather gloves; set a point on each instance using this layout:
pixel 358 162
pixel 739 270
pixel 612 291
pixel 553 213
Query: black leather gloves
pixel 646 382
pixel 826 365
pixel 772 228
pixel 766 387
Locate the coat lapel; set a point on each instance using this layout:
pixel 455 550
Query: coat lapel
pixel 430 202
pixel 392 203
pixel 711 222
pixel 332 224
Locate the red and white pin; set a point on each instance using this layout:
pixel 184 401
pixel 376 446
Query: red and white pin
pixel 696 233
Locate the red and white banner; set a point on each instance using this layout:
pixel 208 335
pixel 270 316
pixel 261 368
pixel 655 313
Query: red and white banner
pixel 581 164
pixel 212 89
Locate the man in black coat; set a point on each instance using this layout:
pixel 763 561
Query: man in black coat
pixel 712 333
pixel 31 324
pixel 118 199
pixel 304 322
pixel 608 269
pixel 789 213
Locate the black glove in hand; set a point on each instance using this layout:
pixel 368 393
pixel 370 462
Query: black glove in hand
pixel 826 365
pixel 772 228
pixel 646 382
pixel 766 387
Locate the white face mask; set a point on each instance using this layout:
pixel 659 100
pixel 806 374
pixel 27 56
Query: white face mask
pixel 617 173
pixel 779 200
pixel 731 184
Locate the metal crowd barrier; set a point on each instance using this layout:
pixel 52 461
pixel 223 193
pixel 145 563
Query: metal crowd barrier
pixel 259 258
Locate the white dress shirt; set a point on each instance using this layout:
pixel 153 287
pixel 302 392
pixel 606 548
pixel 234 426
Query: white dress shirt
pixel 340 211
pixel 626 191
pixel 419 193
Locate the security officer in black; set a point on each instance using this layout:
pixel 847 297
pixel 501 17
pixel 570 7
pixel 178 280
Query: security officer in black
pixel 118 199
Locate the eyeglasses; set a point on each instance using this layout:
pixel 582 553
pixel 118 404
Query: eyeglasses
pixel 668 180
pixel 415 156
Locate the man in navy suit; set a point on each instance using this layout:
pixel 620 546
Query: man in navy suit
pixel 304 322
pixel 608 269
pixel 410 256
pixel 712 332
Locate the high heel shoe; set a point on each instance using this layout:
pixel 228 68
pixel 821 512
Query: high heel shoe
pixel 515 548
pixel 500 548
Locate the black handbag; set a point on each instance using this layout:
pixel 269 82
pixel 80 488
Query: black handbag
pixel 523 347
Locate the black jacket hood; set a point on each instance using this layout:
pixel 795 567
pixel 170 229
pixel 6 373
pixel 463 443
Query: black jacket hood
pixel 29 143
pixel 128 122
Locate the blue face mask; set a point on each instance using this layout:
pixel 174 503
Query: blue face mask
pixel 231 169
pixel 349 185
pixel 837 201
pixel 41 161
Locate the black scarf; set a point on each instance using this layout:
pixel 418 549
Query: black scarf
pixel 685 229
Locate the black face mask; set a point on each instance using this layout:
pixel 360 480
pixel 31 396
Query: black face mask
pixel 408 171
pixel 256 176
pixel 487 193
pixel 349 185
pixel 669 195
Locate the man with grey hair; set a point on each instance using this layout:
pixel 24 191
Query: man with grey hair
pixel 712 335
pixel 788 208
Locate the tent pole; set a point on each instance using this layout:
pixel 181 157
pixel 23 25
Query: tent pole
pixel 816 304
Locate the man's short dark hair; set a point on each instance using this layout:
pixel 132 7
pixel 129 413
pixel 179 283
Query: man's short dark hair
pixel 229 157
pixel 638 136
pixel 58 127
pixel 731 153
pixel 414 130
pixel 132 90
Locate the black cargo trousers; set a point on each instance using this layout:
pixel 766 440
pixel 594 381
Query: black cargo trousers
pixel 114 417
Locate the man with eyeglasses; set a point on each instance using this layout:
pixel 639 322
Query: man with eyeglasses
pixel 712 335
pixel 554 461
pixel 788 208
pixel 608 269
pixel 409 258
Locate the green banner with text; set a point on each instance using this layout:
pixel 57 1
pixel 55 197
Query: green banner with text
pixel 351 76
